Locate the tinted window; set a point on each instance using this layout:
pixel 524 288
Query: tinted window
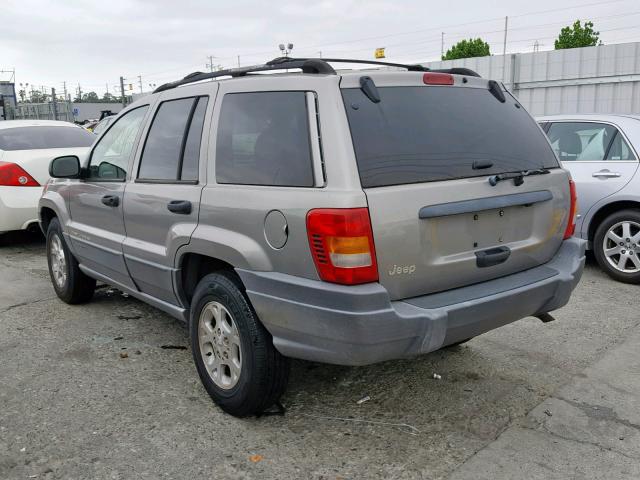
pixel 35 138
pixel 111 155
pixel 421 134
pixel 580 141
pixel 161 157
pixel 619 149
pixel 191 155
pixel 263 139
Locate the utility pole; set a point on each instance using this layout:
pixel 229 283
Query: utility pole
pixel 124 100
pixel 504 46
pixel 107 85
pixel 210 64
pixel 442 46
pixel 54 104
pixel 320 54
pixel 64 86
pixel 238 61
pixel 140 82
pixel 79 92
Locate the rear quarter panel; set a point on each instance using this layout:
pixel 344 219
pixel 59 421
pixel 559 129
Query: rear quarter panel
pixel 232 217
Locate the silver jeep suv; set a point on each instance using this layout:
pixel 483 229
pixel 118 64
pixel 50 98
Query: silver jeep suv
pixel 344 217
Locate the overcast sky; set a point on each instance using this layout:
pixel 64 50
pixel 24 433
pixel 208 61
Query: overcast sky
pixel 93 42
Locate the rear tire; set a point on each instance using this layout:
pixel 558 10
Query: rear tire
pixel 233 352
pixel 616 246
pixel 70 284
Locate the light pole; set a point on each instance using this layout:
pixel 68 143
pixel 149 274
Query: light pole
pixel 286 50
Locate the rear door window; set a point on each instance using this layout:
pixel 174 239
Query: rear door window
pixel 37 138
pixel 423 134
pixel 580 141
pixel 172 148
pixel 191 156
pixel 619 149
pixel 263 139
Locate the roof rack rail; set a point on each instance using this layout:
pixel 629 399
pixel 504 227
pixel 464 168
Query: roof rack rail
pixel 307 65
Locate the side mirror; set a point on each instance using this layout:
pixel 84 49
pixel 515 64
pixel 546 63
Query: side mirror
pixel 65 167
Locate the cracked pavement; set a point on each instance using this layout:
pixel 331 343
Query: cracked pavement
pixel 589 428
pixel 529 400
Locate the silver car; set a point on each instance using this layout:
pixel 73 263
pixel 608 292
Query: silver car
pixel 601 153
pixel 347 218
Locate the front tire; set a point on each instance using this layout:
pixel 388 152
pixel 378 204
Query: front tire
pixel 616 246
pixel 70 284
pixel 233 352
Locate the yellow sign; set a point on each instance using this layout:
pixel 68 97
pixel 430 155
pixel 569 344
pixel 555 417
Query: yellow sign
pixel 379 53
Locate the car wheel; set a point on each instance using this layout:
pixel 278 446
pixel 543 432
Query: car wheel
pixel 233 352
pixel 616 246
pixel 70 284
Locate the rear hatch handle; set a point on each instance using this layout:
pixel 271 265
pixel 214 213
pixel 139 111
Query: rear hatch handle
pixel 488 203
pixel 492 256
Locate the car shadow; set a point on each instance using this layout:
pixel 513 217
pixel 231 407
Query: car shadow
pixel 21 238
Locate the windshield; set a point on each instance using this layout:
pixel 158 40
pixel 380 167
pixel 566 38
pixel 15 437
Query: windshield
pixel 38 138
pixel 423 134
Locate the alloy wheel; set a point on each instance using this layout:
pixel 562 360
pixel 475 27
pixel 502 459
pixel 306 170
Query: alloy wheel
pixel 220 345
pixel 58 261
pixel 621 246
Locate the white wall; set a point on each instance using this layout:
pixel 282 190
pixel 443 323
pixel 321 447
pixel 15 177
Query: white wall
pixel 603 79
pixel 85 111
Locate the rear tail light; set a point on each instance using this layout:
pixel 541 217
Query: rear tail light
pixel 342 246
pixel 571 222
pixel 12 175
pixel 435 78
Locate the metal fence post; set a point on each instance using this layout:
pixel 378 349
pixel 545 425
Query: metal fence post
pixel 54 104
pixel 515 73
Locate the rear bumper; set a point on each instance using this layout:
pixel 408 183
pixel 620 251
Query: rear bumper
pixel 359 325
pixel 18 207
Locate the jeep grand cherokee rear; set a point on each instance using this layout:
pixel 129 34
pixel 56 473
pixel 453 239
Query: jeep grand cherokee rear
pixel 468 227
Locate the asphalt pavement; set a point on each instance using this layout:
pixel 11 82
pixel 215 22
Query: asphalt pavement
pixel 107 390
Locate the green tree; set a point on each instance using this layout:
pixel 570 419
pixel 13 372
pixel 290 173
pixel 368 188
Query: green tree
pixel 90 97
pixel 467 49
pixel 108 98
pixel 36 96
pixel 577 36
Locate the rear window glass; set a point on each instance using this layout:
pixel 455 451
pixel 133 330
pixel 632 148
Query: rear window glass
pixel 38 138
pixel 263 139
pixel 423 134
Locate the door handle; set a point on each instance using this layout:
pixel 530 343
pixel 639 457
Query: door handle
pixel 111 200
pixel 605 174
pixel 493 256
pixel 180 206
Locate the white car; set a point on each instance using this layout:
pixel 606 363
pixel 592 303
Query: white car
pixel 26 149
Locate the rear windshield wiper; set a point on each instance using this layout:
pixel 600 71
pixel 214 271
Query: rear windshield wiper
pixel 518 177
